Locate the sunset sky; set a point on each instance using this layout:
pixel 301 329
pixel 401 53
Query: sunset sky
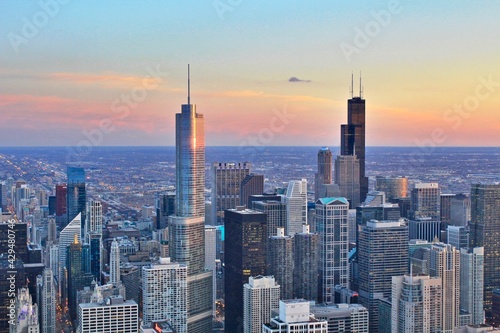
pixel 116 71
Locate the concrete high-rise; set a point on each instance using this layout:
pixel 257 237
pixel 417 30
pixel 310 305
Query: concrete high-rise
pixel 114 263
pixel 416 304
pixel 331 225
pixel 325 171
pixel 352 140
pixel 426 201
pixel 165 293
pixel 347 170
pixel 245 256
pixel 226 187
pixel 342 317
pixel 261 295
pixel 306 257
pixel 382 254
pixel 112 314
pixel 296 206
pixel 485 232
pixel 445 263
pixel 471 283
pixel 76 196
pixel 187 226
pixel 48 302
pixel 280 262
pixel 275 214
pixel 94 218
pixel 295 316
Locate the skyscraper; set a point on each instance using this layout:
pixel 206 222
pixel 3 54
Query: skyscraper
pixel 95 255
pixel 114 263
pixel 331 224
pixel 165 206
pixel 352 140
pixel 426 201
pixel 280 262
pixel 460 210
pixel 76 197
pixel 61 205
pixel 112 314
pixel 445 264
pixel 275 214
pixel 295 316
pixel 306 256
pixel 347 171
pixel 66 237
pixel 296 206
pixel 94 218
pixel 226 186
pixel 48 302
pixel 325 169
pixel 394 187
pixel 245 256
pixel 416 304
pixel 485 232
pixel 165 293
pixel 471 283
pixel 382 254
pixel 77 278
pixel 252 184
pixel 187 226
pixel 260 295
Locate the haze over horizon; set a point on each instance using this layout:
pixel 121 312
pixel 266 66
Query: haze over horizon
pixel 278 73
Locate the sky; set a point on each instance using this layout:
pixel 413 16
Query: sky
pixel 92 73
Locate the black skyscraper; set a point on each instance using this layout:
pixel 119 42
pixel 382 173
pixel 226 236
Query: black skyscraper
pixel 352 141
pixel 245 252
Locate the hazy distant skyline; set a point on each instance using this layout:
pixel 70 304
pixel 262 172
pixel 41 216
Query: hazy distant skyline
pixel 430 71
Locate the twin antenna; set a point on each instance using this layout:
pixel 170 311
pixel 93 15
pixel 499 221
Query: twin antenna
pixel 360 86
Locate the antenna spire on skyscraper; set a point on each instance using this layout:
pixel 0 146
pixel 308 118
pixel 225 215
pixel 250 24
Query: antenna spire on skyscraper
pixel 360 87
pixel 189 88
pixel 352 84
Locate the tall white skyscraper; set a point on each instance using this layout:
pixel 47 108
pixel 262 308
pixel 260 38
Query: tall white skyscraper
pixel 260 295
pixel 416 304
pixel 164 294
pixel 331 225
pixel 48 302
pixel 445 264
pixel 94 218
pixel 187 227
pixel 296 206
pixel 66 237
pixel 472 283
pixel 114 263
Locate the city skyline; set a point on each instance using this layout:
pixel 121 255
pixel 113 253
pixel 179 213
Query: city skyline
pixel 247 72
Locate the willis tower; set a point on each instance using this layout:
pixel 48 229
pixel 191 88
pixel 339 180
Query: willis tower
pixel 352 141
